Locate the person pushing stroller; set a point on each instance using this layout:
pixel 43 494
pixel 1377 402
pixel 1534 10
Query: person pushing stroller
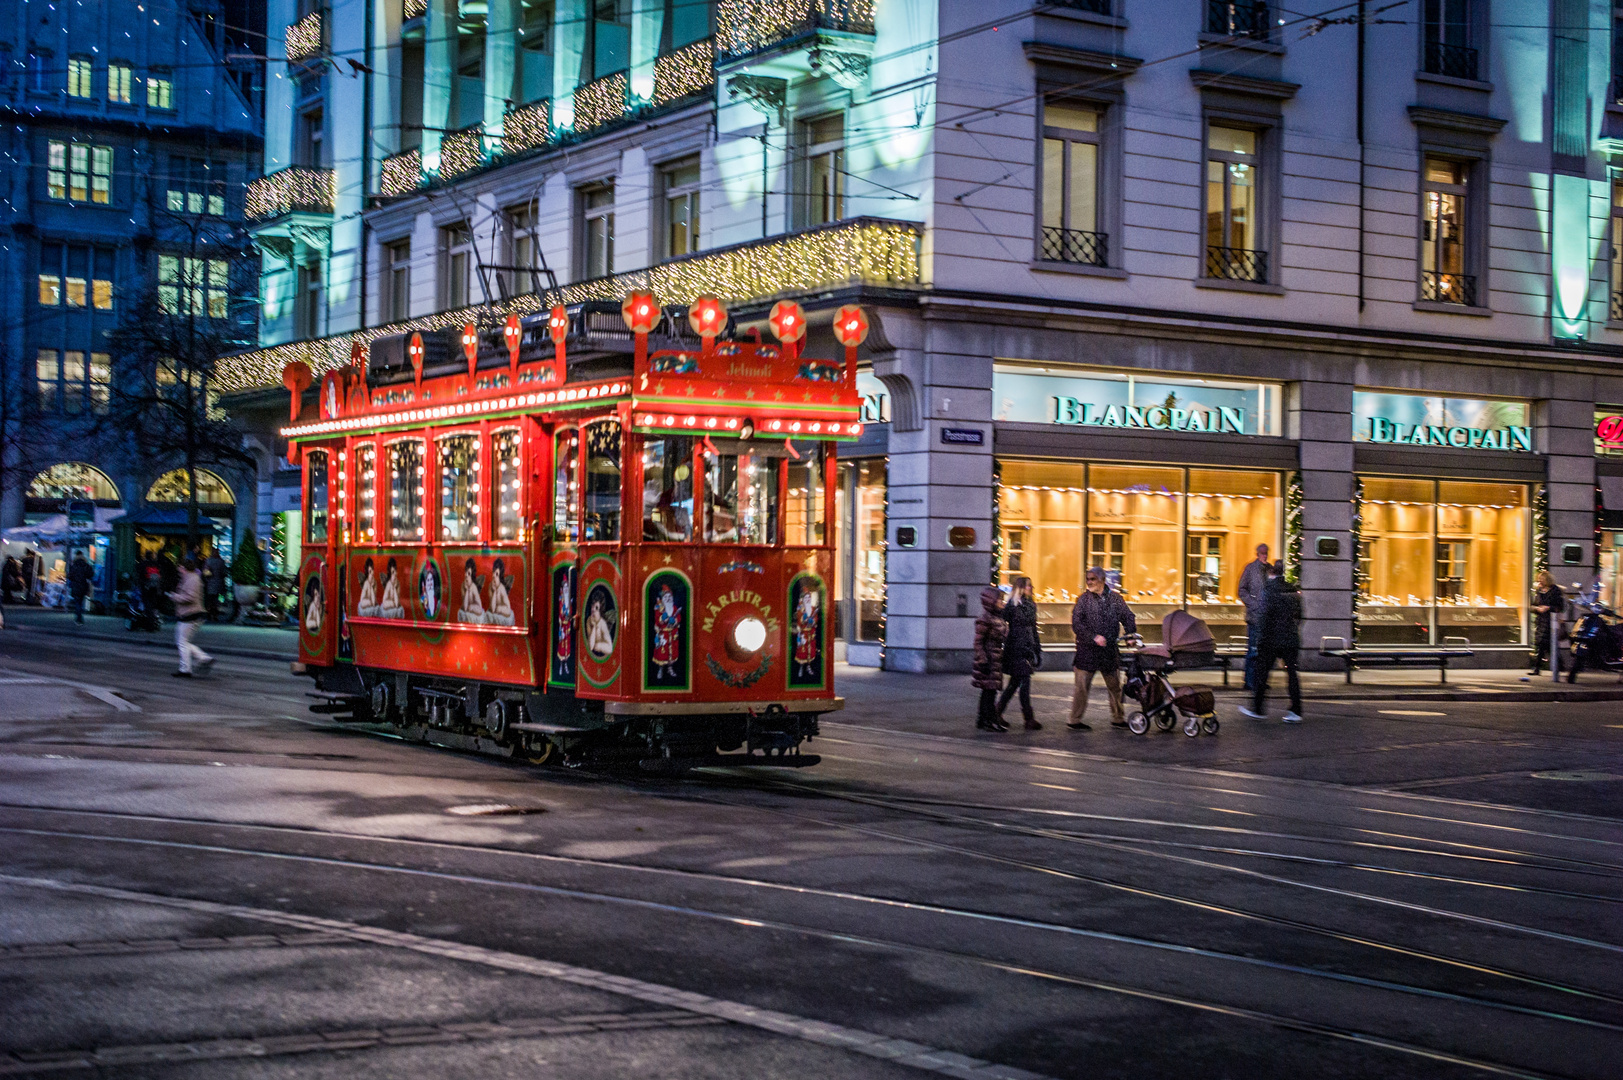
pixel 1097 619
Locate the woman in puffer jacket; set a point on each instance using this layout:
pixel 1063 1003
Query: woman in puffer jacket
pixel 990 633
pixel 1021 652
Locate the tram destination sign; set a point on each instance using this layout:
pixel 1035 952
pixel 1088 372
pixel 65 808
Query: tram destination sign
pixel 1392 419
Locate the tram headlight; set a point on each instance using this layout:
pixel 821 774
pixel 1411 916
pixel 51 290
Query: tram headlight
pixel 749 634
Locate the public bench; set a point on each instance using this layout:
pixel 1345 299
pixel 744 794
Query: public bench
pixel 1366 656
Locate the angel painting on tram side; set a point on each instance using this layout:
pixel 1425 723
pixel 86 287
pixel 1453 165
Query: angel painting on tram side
pixel 599 634
pixel 366 599
pixel 315 604
pixel 389 605
pixel 804 629
pixel 472 609
pixel 667 650
pixel 500 612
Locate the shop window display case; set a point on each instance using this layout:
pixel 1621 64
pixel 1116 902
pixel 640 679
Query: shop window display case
pixel 1442 560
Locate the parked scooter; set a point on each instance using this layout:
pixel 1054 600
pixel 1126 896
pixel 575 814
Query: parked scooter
pixel 1597 639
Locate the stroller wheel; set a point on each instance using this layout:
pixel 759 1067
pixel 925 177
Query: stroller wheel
pixel 1165 720
pixel 1209 725
pixel 1191 726
pixel 1136 722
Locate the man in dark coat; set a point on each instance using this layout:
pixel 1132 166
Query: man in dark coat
pixel 1252 590
pixel 1098 619
pixel 1279 638
pixel 987 674
pixel 79 577
pixel 214 571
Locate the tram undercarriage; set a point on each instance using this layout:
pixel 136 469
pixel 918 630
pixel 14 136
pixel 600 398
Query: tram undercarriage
pixel 558 728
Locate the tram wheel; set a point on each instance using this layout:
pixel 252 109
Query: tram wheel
pixel 381 705
pixel 496 717
pixel 1136 723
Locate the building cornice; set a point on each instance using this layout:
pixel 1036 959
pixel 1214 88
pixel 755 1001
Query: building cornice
pixel 224 138
pixel 1096 63
pixel 1468 123
pixel 1248 85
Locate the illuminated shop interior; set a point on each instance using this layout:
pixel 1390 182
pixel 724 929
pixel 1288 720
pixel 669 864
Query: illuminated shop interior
pixel 1443 560
pixel 1167 538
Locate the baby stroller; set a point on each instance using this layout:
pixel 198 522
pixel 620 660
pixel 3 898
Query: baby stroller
pixel 1188 640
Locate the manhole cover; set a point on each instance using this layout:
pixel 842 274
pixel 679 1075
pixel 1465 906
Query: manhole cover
pixel 494 810
pixel 1577 774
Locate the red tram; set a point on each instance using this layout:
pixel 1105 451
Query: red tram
pixel 598 535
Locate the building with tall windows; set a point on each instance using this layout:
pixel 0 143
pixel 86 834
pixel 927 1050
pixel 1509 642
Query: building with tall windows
pixel 1152 282
pixel 128 135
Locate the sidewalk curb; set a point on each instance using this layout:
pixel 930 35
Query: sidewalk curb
pixel 151 641
pixel 1577 693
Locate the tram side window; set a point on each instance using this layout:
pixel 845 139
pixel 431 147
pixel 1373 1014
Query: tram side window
pixel 603 481
pixel 667 488
pixel 566 486
pixel 803 515
pixel 406 479
pixel 505 447
pixel 459 487
pixel 316 496
pixel 366 486
pixel 740 499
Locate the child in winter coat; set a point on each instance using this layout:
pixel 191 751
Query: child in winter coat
pixel 991 631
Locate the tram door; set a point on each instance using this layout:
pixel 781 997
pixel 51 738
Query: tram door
pixel 557 496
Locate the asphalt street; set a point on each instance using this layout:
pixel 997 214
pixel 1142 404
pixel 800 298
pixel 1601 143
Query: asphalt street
pixel 202 879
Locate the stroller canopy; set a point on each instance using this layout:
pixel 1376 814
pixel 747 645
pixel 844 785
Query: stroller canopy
pixel 1183 633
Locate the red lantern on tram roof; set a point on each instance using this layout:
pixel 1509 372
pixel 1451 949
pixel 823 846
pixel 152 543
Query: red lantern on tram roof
pixel 357 353
pixel 512 336
pixel 558 325
pixel 297 378
pixel 470 347
pixel 414 352
pixel 707 316
pixel 788 321
pixel 850 326
pixel 640 311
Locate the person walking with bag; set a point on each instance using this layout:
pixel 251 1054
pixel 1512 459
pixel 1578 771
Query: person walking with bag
pixel 1279 638
pixel 991 632
pixel 189 611
pixel 1022 654
pixel 1098 619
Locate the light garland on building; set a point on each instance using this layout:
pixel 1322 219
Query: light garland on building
pixel 861 251
pixel 600 101
pixel 413 9
pixel 462 151
pixel 747 26
pixel 303 38
pixel 400 174
pixel 527 127
pixel 689 70
pixel 292 189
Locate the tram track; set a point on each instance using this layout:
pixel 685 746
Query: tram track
pixel 755 922
pixel 899 903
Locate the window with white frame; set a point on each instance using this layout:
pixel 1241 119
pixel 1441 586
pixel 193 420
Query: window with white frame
pixel 120 83
pixel 1447 32
pixel 680 183
pixel 1235 249
pixel 523 249
pixel 71 381
pixel 196 186
pixel 596 231
pixel 307 301
pixel 397 281
pixel 456 263
pixel 78 172
pixel 823 198
pixel 76 276
pixel 1445 263
pixel 81 77
pixel 1070 184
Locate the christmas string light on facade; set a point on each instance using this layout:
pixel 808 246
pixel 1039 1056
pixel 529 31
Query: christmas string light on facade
pixel 303 39
pixel 600 101
pixel 747 26
pixel 292 189
pixel 860 251
pixel 688 70
pixel 400 174
pixel 462 151
pixel 527 127
pixel 413 9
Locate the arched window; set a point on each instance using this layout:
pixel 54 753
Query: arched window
pixel 172 487
pixel 76 480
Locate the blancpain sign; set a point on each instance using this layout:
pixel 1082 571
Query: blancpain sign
pixel 1399 419
pixel 1070 410
pixel 1382 430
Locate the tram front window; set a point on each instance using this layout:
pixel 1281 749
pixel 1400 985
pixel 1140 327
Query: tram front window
pixel 603 481
pixel 740 499
pixel 406 490
pixel 459 487
pixel 803 501
pixel 667 488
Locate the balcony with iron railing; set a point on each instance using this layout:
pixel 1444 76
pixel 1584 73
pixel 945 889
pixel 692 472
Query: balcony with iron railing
pixel 1454 61
pixel 1238 18
pixel 1441 288
pixel 852 254
pixel 1237 264
pixel 294 190
pixel 303 38
pixel 1075 246
pixel 400 174
pixel 747 27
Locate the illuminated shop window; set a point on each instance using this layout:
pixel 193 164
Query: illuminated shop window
pixel 740 498
pixel 803 515
pixel 1441 560
pixel 407 475
pixel 566 486
pixel 315 499
pixel 868 578
pixel 366 487
pixel 603 481
pixel 459 487
pixel 667 488
pixel 505 449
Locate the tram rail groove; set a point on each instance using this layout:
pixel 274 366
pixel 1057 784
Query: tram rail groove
pixel 847 895
pixel 624 985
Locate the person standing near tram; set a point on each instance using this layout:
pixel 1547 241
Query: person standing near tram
pixel 1253 596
